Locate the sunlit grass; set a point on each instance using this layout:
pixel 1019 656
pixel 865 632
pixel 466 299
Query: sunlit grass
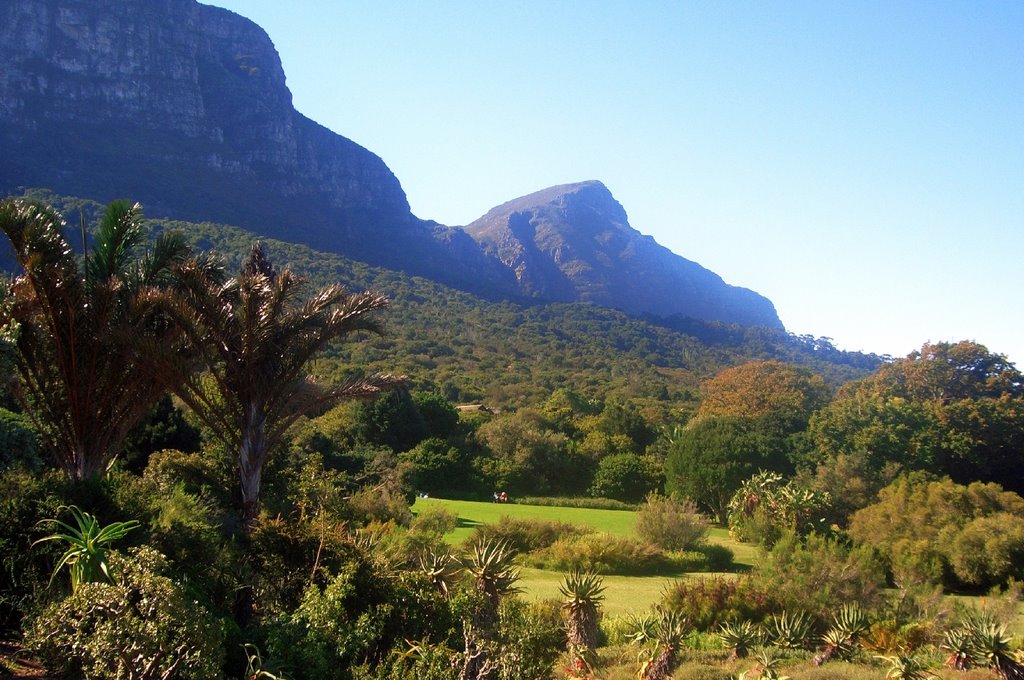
pixel 472 514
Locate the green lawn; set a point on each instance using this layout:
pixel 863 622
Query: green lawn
pixel 623 594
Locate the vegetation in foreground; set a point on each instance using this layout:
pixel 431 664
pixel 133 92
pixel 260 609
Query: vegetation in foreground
pixel 251 529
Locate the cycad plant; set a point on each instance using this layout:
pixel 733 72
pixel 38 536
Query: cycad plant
pixel 582 592
pixel 87 541
pixel 848 624
pixel 788 630
pixel 739 637
pixel 79 323
pixel 254 336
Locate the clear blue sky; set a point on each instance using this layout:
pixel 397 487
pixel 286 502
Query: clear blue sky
pixel 859 163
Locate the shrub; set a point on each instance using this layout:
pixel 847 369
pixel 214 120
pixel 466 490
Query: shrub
pixel 357 617
pixel 114 630
pixel 819 574
pixel 563 502
pixel 671 524
pixel 603 554
pixel 709 602
pixel 989 550
pixel 526 535
pixel 18 441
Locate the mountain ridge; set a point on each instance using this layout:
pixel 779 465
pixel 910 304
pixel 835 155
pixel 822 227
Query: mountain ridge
pixel 185 108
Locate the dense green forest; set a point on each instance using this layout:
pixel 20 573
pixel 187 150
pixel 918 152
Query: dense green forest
pixel 207 463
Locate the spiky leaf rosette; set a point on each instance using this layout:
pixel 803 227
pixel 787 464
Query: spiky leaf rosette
pixel 959 642
pixel 582 592
pixel 905 667
pixel 788 630
pixel 739 637
pixel 992 646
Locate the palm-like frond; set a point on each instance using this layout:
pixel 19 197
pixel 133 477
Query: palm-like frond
pixel 82 378
pixel 250 338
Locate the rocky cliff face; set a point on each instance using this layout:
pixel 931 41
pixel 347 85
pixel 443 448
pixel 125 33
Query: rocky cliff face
pixel 184 108
pixel 574 242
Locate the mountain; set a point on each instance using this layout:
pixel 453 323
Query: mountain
pixel 184 107
pixel 574 243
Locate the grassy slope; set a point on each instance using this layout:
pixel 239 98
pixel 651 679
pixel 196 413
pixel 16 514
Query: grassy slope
pixel 623 594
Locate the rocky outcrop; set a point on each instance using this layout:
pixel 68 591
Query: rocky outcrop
pixel 574 242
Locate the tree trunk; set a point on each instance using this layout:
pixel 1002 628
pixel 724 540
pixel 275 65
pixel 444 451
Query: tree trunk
pixel 662 665
pixel 252 454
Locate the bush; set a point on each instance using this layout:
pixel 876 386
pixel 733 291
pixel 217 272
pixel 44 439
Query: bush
pixel 603 554
pixel 709 602
pixel 707 557
pixel 530 638
pixel 357 617
pixel 563 502
pixel 818 574
pixel 19 443
pixel 526 535
pixel 671 524
pixel 145 620
pixel 989 550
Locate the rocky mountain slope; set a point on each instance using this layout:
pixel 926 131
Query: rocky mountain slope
pixel 184 107
pixel 574 242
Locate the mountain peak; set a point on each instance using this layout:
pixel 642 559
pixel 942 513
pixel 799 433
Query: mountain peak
pixel 574 242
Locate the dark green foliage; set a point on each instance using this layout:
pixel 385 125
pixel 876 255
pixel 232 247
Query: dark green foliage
pixel 627 477
pixel 392 420
pixel 952 409
pixel 439 468
pixel 164 427
pixel 19 443
pixel 143 621
pixel 358 616
pixel 709 461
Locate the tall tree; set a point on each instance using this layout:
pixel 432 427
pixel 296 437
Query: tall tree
pixel 78 319
pixel 953 408
pixel 253 336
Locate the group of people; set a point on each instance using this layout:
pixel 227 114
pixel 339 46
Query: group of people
pixel 500 497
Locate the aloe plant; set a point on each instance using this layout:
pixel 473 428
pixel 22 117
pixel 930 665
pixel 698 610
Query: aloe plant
pixel 766 668
pixel 739 637
pixel 959 642
pixel 788 631
pixel 583 592
pixel 992 645
pixel 670 630
pixel 440 568
pixel 86 555
pixel 905 667
pixel 848 624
